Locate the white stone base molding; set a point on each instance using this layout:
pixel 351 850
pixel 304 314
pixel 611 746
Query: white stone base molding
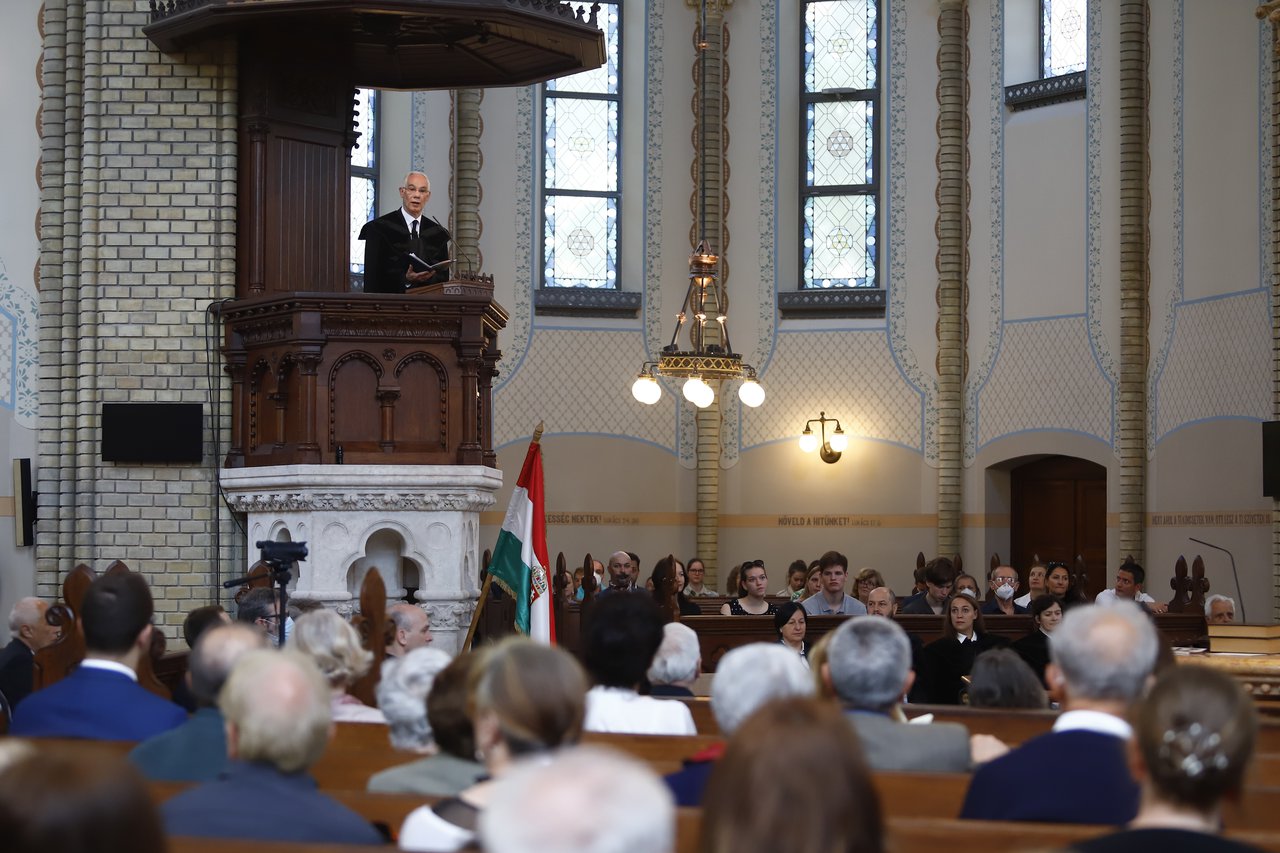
pixel 418 525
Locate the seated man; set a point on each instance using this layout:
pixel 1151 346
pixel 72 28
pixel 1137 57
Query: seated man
pixel 260 608
pixel 747 678
pixel 621 634
pixel 1219 610
pixel 196 751
pixel 412 629
pixel 1101 659
pixel 939 577
pixel 1129 579
pixel 678 662
pixel 101 699
pixel 869 669
pixel 832 599
pixel 276 706
pixel 30 634
pixel 1002 581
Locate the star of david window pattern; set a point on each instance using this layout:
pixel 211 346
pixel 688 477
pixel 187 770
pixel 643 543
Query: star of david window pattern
pixel 1063 32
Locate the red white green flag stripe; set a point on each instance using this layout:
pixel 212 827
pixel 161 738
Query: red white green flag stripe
pixel 519 563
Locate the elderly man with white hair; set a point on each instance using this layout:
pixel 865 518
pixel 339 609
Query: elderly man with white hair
pixel 1219 610
pixel 276 705
pixel 1101 659
pixel 678 662
pixel 31 633
pixel 539 808
pixel 747 678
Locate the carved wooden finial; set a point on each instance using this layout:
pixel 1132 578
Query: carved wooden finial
pixel 537 433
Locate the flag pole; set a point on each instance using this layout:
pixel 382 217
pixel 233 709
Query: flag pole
pixel 488 576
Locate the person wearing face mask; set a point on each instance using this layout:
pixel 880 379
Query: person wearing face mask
pixel 261 609
pixel 1003 583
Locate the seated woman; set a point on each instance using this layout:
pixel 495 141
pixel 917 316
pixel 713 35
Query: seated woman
pixel 967 585
pixel 948 659
pixel 334 646
pixel 812 581
pixel 670 572
pixel 1193 736
pixel 865 581
pixel 1059 582
pixel 796 573
pixel 813 794
pixel 753 586
pixel 789 621
pixel 424 696
pixel 1035 585
pixel 1046 612
pixel 527 699
pixel 1001 679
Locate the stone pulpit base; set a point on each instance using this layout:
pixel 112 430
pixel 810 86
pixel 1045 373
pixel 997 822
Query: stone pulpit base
pixel 417 525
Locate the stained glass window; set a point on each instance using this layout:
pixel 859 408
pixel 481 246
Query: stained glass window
pixel 364 178
pixel 581 127
pixel 1063 31
pixel 841 102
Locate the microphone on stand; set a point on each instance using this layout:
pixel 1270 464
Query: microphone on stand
pixel 1239 595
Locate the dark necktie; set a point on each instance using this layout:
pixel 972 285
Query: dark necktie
pixel 415 246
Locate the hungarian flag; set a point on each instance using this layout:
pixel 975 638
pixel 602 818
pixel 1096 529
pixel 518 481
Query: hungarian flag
pixel 520 558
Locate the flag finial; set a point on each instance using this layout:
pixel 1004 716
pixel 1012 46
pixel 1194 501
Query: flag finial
pixel 537 433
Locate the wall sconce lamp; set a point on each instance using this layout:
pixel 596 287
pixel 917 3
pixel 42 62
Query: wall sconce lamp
pixel 829 448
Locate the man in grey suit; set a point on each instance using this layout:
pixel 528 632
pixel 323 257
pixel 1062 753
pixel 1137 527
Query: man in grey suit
pixel 869 669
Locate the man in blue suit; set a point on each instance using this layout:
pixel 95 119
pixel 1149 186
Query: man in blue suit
pixel 101 699
pixel 1101 660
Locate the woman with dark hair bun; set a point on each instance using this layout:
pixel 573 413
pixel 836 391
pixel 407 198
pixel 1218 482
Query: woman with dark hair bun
pixel 814 795
pixel 1193 736
pixel 791 623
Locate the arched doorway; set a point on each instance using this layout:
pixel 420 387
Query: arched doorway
pixel 1059 511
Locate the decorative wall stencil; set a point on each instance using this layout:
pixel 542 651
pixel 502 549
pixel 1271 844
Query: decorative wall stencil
pixel 1160 324
pixel 1045 378
pixel 514 339
pixel 986 350
pixel 896 315
pixel 19 351
pixel 654 136
pixel 1219 364
pixel 559 382
pixel 1093 201
pixel 1266 213
pixel 847 371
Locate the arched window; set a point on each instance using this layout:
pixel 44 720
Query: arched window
pixel 364 178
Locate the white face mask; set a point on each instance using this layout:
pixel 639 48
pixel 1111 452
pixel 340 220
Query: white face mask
pixel 274 635
pixel 1004 592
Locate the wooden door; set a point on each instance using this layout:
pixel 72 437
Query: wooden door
pixel 1059 511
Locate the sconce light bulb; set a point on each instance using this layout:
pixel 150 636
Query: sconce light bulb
pixel 751 393
pixel 646 389
pixel 808 441
pixel 839 441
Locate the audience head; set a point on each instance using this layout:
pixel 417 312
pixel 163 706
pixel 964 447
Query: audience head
pixel 817 656
pixel 1194 733
pixel 939 578
pixel 835 572
pixel 752 675
pixel 412 628
pixel 869 664
pixel 696 571
pixel 866 580
pixel 1035 578
pixel 679 656
pixel 261 607
pixel 116 614
pixel 214 657
pixel 202 619
pixel 664 573
pixel 790 622
pixel 1046 612
pixel 1219 610
pixel 1058 579
pixel 881 602
pixel 1103 653
pixel 77 802
pixel 1129 579
pixel 1003 582
pixel 731 581
pixel 1001 679
pixel 402 695
pixel 526 698
pixel 960 615
pixel 622 571
pixel 621 635
pixel 813 581
pixel 334 645
pixel 753 580
pixel 276 705
pixel 966 585
pixel 815 794
pixel 541 806
pixel 448 708
pixel 27 624
pixel 796 573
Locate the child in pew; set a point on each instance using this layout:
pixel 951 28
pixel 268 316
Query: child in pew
pixel 1193 736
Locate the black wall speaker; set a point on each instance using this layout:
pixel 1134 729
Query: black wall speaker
pixel 152 432
pixel 24 505
pixel 1271 459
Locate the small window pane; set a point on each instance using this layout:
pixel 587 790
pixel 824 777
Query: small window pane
pixel 582 144
pixel 840 241
pixel 1064 31
pixel 840 144
pixel 602 80
pixel 580 238
pixel 362 210
pixel 362 153
pixel 840 45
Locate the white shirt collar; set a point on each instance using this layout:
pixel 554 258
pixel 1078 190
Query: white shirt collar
pixel 1093 721
pixel 964 638
pixel 409 220
pixel 109 666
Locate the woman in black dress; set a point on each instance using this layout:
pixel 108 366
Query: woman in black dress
pixel 1046 612
pixel 948 659
pixel 753 587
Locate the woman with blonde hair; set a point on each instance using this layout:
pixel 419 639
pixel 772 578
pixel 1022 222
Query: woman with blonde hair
pixel 527 700
pixel 334 646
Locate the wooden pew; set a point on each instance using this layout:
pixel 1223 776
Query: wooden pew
pixel 187 844
pixel 664 753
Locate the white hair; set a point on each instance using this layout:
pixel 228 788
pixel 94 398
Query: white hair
pixel 279 704
pixel 541 805
pixel 26 611
pixel 869 660
pixel 751 675
pixel 402 695
pixel 678 657
pixel 333 644
pixel 1105 652
pixel 1208 603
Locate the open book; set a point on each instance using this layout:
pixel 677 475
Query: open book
pixel 419 265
